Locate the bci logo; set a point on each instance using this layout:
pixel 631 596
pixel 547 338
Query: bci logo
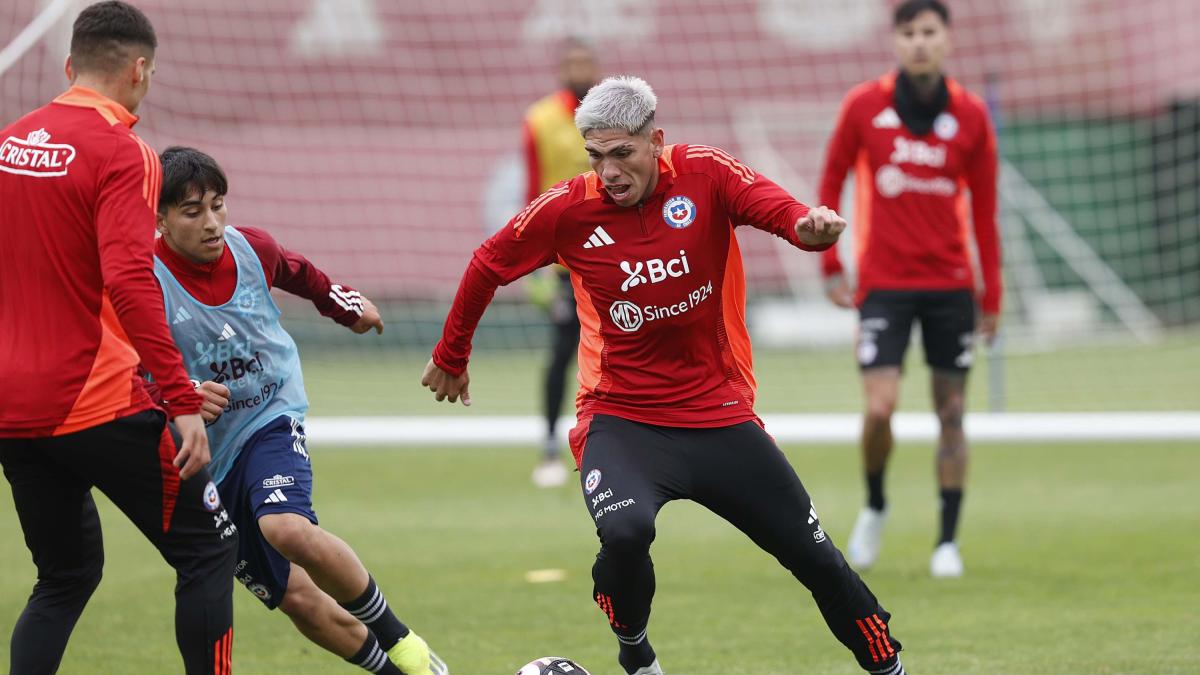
pixel 656 270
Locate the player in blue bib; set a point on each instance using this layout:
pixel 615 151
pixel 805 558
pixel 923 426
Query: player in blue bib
pixel 216 282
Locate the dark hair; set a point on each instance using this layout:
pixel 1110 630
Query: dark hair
pixel 909 9
pixel 105 33
pixel 187 171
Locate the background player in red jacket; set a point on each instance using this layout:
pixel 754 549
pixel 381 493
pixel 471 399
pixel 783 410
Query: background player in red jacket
pixel 918 142
pixel 666 403
pixel 78 308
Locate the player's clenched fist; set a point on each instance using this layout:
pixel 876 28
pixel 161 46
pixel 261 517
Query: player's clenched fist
pixel 216 397
pixel 820 226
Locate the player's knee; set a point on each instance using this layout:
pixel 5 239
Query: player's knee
pixel 627 537
pixel 299 601
pixel 880 410
pixel 290 534
pixel 78 583
pixel 950 414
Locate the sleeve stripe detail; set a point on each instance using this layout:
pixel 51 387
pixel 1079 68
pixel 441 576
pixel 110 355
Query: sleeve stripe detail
pixel 145 167
pixel 698 151
pixel 152 183
pixel 536 205
pixel 351 301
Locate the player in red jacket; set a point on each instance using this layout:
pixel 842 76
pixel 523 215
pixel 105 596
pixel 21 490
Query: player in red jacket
pixel 666 399
pixel 79 308
pixel 918 143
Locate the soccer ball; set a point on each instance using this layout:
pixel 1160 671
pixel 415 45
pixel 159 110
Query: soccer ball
pixel 552 665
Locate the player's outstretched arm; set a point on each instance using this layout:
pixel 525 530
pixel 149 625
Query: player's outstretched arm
pixel 446 386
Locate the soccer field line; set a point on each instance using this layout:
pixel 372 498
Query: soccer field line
pixel 785 428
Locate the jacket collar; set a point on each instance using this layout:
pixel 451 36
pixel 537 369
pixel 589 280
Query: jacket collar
pixel 84 97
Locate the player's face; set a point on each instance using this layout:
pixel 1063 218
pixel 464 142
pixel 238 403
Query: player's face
pixel 579 71
pixel 195 228
pixel 627 165
pixel 922 43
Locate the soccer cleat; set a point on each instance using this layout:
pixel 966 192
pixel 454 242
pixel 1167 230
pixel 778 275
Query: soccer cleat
pixel 865 541
pixel 412 656
pixel 550 473
pixel 652 669
pixel 946 562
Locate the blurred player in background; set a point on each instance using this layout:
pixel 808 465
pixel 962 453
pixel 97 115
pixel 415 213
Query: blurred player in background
pixel 553 152
pixel 216 283
pixel 918 142
pixel 666 409
pixel 78 308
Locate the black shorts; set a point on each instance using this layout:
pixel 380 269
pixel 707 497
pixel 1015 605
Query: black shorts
pixel 947 328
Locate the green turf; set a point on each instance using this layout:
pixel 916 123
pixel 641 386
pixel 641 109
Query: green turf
pixel 1119 377
pixel 1080 559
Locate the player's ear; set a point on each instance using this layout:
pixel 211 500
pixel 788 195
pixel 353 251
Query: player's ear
pixel 139 70
pixel 69 70
pixel 160 223
pixel 657 139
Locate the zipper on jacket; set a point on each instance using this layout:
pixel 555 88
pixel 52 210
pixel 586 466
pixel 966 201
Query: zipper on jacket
pixel 642 219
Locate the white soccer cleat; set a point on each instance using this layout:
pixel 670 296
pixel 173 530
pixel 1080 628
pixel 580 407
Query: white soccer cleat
pixel 865 541
pixel 550 473
pixel 946 562
pixel 652 669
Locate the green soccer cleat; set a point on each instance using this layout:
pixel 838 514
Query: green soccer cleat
pixel 414 657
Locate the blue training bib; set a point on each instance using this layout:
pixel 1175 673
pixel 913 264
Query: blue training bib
pixel 240 344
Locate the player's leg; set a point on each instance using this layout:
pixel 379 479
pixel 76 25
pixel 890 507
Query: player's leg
pixel 884 328
pixel 550 471
pixel 130 461
pixel 62 531
pixel 276 476
pixel 741 475
pixel 626 476
pixel 947 326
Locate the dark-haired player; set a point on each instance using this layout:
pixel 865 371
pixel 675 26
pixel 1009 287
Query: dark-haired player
pixel 216 282
pixel 78 309
pixel 919 143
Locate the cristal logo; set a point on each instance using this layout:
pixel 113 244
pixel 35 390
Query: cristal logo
pixel 626 315
pixel 656 270
pixel 33 156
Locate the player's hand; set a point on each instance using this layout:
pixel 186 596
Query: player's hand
pixel 193 453
pixel 370 319
pixel 820 226
pixel 444 385
pixel 838 290
pixel 987 325
pixel 216 397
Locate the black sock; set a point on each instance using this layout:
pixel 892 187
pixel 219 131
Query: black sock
pixel 371 657
pixel 372 609
pixel 636 652
pixel 875 490
pixel 951 501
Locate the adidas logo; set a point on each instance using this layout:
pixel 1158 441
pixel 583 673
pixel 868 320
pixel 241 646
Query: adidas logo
pixel 888 119
pixel 226 333
pixel 599 238
pixel 275 497
pixel 181 316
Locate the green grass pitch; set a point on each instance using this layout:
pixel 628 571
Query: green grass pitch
pixel 1080 559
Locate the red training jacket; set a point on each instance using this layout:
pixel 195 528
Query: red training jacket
pixel 911 214
pixel 660 288
pixel 79 305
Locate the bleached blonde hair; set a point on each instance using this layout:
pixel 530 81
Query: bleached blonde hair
pixel 625 102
